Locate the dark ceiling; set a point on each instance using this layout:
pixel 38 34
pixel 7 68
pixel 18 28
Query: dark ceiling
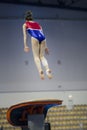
pixel 80 5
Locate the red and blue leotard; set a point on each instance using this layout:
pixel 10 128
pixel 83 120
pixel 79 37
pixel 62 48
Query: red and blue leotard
pixel 34 29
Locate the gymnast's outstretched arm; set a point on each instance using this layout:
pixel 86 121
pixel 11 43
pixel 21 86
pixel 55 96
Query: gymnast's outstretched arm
pixel 26 48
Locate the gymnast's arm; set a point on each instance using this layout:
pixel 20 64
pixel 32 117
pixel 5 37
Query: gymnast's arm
pixel 26 48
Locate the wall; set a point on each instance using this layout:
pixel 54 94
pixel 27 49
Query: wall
pixel 9 99
pixel 66 38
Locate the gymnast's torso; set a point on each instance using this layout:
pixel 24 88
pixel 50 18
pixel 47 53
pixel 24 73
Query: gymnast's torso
pixel 35 30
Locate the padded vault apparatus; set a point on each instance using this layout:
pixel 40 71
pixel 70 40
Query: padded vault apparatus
pixel 18 115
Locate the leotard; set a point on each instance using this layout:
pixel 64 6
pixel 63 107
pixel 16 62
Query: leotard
pixel 35 30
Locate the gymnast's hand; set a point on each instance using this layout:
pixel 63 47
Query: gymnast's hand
pixel 26 49
pixel 47 51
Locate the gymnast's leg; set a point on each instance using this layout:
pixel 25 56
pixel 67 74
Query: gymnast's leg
pixel 36 52
pixel 44 60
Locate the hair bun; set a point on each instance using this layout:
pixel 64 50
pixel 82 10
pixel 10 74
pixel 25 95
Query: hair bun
pixel 29 12
pixel 28 15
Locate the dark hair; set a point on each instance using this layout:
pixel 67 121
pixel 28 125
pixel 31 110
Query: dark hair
pixel 28 15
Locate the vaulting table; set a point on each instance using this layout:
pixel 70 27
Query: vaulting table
pixel 31 113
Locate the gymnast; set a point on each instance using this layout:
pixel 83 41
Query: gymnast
pixel 38 41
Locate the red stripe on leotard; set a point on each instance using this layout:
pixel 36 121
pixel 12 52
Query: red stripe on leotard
pixel 32 25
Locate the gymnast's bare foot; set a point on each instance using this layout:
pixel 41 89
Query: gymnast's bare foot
pixel 49 74
pixel 41 75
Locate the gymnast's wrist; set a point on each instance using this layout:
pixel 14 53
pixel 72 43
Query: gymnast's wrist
pixel 26 46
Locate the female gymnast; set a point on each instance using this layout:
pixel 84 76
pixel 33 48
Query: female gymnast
pixel 38 42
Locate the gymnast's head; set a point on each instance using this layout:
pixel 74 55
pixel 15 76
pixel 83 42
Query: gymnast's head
pixel 28 16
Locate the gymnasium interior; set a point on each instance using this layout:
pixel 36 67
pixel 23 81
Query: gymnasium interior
pixel 64 23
